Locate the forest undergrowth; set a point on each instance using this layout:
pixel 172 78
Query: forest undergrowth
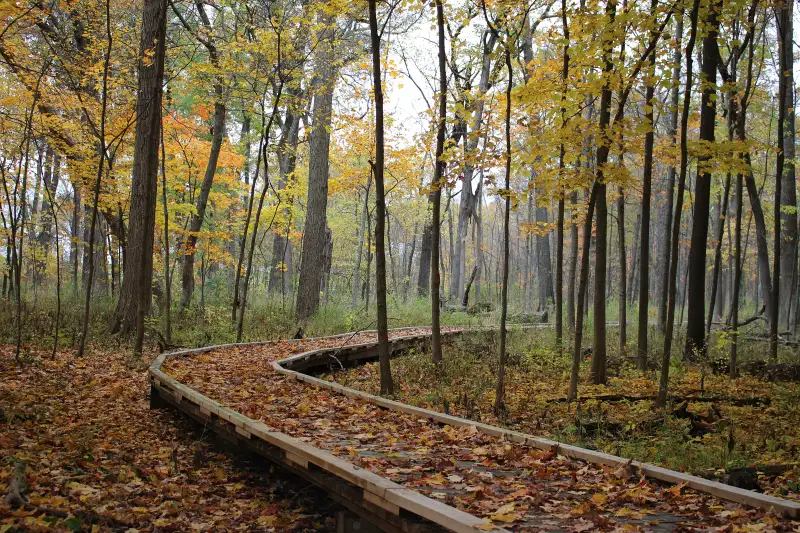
pixel 743 431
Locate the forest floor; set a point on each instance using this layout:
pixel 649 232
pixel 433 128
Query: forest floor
pixel 744 431
pixel 96 458
pixel 516 486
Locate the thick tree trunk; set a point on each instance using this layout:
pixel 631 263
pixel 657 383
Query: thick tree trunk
pixel 138 279
pixel 695 326
pixel 318 171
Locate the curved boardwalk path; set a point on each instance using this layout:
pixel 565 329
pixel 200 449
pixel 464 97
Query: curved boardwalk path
pixel 458 465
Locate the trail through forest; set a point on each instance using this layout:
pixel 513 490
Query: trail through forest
pixel 509 484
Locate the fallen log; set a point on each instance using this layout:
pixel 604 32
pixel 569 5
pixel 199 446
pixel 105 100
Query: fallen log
pixel 755 401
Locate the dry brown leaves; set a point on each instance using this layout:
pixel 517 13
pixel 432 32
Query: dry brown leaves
pixel 515 486
pixel 97 459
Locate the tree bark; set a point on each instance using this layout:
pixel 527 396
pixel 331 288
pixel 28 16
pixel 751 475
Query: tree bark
pixel 439 165
pixel 217 136
pixel 598 372
pixel 573 262
pixel 318 173
pixel 387 386
pixel 786 221
pixel 500 393
pixel 672 134
pixel 695 326
pixel 136 290
pixel 661 399
pixel 582 290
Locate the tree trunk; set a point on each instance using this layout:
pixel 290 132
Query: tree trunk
pixel 364 221
pixel 500 393
pixel 217 136
pixel 573 262
pixel 661 399
pixel 544 263
pixel 670 189
pixel 598 373
pixel 318 171
pixel 380 207
pixel 785 188
pixel 582 290
pixel 468 199
pixel 135 293
pixel 436 335
pixel 75 242
pixel 642 348
pixel 695 326
pixel 623 276
pixel 280 274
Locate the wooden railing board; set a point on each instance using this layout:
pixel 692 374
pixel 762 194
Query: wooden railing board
pixel 376 492
pixel 726 492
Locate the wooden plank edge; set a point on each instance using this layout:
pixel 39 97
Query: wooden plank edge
pixel 766 502
pixel 300 454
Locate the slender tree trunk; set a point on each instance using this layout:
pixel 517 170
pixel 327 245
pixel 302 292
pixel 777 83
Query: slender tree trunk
pixel 167 278
pixel 642 348
pixel 281 267
pixel 364 221
pixel 51 204
pixel 436 335
pixel 583 285
pixel 74 248
pixel 623 277
pixel 661 399
pixel 737 280
pixel 598 373
pixel 672 133
pixel 560 272
pixel 265 158
pixel 387 386
pixel 573 262
pixel 500 393
pixel 723 213
pixel 243 241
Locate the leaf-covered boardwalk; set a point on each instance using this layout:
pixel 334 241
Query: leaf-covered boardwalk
pixel 514 486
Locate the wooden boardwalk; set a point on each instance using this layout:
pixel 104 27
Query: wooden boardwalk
pixel 406 468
